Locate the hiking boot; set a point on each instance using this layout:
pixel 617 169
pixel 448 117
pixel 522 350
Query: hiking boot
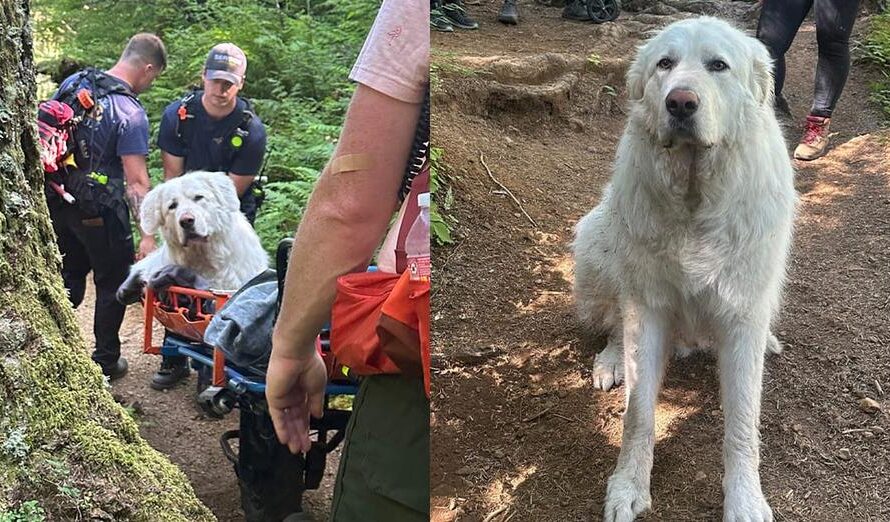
pixel 509 13
pixel 458 16
pixel 170 374
pixel 116 370
pixel 439 21
pixel 576 10
pixel 815 139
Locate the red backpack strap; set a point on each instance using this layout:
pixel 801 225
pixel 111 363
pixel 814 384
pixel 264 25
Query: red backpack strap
pixel 419 185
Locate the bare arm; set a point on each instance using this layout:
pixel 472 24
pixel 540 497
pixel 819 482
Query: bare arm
pixel 138 184
pixel 346 217
pixel 174 166
pixel 242 183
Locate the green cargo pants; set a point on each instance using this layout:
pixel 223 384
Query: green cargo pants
pixel 384 473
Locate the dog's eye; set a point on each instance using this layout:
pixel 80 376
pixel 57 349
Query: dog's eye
pixel 665 63
pixel 173 206
pixel 198 197
pixel 717 65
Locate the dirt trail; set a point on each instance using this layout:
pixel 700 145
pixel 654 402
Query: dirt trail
pixel 173 424
pixel 517 428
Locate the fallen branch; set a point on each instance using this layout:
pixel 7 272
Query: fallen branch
pixel 495 513
pixel 505 189
pixel 538 415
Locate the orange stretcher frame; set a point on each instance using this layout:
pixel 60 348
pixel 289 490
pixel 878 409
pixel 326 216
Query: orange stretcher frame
pixel 177 321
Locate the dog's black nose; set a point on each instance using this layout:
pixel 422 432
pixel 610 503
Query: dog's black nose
pixel 682 103
pixel 187 222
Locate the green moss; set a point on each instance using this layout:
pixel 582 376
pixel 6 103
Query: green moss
pixel 57 399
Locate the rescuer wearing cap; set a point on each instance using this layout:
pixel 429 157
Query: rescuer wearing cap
pixel 213 129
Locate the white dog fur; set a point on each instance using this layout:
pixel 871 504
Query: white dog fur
pixel 220 246
pixel 688 248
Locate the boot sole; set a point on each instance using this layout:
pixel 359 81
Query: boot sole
pixel 161 387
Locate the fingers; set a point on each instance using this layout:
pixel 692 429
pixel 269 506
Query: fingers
pixel 292 426
pixel 278 423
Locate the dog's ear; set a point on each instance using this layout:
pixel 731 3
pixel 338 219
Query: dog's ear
pixel 636 75
pixel 150 215
pixel 762 82
pixel 224 190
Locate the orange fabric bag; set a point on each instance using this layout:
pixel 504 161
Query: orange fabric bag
pixel 404 327
pixel 356 312
pixel 380 321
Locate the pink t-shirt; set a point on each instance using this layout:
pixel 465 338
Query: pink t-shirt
pixel 395 60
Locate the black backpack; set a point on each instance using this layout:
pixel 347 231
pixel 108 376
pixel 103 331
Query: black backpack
pixel 93 192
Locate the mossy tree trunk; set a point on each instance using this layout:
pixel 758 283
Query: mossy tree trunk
pixel 66 448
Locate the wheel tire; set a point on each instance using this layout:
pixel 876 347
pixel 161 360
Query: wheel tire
pixel 602 11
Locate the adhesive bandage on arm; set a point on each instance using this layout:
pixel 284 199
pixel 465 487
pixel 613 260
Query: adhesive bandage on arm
pixel 351 163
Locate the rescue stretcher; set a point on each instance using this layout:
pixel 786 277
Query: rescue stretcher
pixel 270 477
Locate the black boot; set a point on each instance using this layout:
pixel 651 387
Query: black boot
pixel 438 20
pixel 509 13
pixel 458 16
pixel 116 370
pixel 173 370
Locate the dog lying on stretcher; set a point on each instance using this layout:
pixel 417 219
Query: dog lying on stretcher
pixel 208 243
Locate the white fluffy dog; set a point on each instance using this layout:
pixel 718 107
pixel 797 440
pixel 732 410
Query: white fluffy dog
pixel 199 218
pixel 688 246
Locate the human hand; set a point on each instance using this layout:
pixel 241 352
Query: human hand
pixel 294 390
pixel 147 245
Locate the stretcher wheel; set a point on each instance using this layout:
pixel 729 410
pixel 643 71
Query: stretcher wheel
pixel 601 11
pixel 269 475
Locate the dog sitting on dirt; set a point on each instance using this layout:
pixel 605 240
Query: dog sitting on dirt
pixel 688 246
pixel 205 236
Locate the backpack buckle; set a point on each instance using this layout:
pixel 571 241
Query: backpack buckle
pixel 183 113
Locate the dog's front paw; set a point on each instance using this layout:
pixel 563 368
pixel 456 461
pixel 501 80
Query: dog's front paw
pixel 130 291
pixel 608 368
pixel 625 499
pixel 743 505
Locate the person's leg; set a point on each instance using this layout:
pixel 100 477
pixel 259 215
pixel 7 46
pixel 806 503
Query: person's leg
pixel 834 23
pixel 75 262
pixel 110 258
pixel 384 468
pixel 778 24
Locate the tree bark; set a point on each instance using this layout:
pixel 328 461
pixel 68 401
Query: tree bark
pixel 66 447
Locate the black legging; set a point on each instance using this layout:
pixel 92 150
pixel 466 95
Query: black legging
pixel 779 22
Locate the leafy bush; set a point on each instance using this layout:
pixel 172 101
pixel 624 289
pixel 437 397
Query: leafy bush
pixel 876 49
pixel 285 202
pixel 440 221
pixel 29 511
pixel 299 57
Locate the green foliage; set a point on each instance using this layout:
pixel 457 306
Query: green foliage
pixel 299 57
pixel 440 221
pixel 445 64
pixel 876 49
pixel 282 211
pixel 29 511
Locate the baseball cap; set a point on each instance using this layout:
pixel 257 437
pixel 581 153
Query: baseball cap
pixel 226 62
